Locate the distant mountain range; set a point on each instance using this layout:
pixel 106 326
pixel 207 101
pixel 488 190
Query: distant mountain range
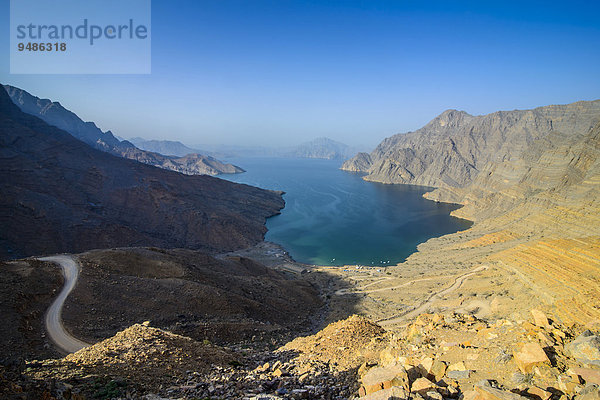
pixel 61 195
pixel 56 115
pixel 322 147
pixel 165 147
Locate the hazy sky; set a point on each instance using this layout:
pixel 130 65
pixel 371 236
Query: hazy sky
pixel 283 72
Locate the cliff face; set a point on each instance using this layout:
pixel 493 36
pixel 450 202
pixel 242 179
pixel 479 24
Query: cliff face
pixel 60 195
pixel 452 149
pixel 56 115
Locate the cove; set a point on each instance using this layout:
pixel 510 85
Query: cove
pixel 333 217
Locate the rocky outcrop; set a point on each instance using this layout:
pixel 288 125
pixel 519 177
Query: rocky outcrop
pixel 56 115
pixel 61 195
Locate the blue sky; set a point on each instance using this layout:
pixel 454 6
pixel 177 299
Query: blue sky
pixel 282 72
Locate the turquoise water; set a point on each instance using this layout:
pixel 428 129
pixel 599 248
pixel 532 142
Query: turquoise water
pixel 334 217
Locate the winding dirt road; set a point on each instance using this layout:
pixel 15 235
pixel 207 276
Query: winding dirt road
pixel 427 303
pixel 54 326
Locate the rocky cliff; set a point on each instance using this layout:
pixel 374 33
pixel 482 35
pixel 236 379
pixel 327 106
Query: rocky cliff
pixel 56 115
pixel 61 195
pixel 455 147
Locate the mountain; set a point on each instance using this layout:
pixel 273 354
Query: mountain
pixel 61 195
pixel 453 148
pixel 321 148
pixel 55 114
pixel 529 179
pixel 165 147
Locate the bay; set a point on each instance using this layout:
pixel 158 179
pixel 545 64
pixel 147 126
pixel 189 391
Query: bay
pixel 333 217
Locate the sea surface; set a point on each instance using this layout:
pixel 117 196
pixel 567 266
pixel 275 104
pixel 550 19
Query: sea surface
pixel 333 217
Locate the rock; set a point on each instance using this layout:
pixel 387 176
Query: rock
pixel 487 392
pixel 459 375
pixel 585 349
pixel 422 386
pixel 459 366
pixel 433 395
pixel 379 378
pixel 264 396
pixel 538 393
pixel 438 370
pixel 393 393
pixel 568 384
pixel 588 375
pixel 530 355
pixel 590 392
pixel 540 319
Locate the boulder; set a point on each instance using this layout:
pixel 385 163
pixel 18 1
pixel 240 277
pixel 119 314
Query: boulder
pixel 379 378
pixel 459 366
pixel 530 356
pixel 540 319
pixel 422 386
pixel 585 349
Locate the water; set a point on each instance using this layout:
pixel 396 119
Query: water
pixel 333 217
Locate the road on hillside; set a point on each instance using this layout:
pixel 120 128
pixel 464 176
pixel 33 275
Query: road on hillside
pixel 56 330
pixel 427 303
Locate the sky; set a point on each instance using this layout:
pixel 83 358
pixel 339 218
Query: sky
pixel 281 72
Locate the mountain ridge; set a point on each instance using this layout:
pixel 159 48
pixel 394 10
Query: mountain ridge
pixel 55 114
pixel 61 195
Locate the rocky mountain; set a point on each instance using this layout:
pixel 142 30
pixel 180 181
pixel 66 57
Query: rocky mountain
pixel 61 195
pixel 531 182
pixel 55 114
pixel 455 147
pixel 164 147
pixel 321 148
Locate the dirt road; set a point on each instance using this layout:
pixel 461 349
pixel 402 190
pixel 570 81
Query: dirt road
pixel 63 340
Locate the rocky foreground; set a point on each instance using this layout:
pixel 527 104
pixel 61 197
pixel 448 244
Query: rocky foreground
pixel 436 357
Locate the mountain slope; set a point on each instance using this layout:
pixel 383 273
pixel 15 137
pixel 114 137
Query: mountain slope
pixel 60 195
pixel 55 114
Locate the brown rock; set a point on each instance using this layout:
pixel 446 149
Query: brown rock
pixel 459 366
pixel 530 355
pixel 422 386
pixel 438 370
pixel 540 319
pixel 538 393
pixel 379 378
